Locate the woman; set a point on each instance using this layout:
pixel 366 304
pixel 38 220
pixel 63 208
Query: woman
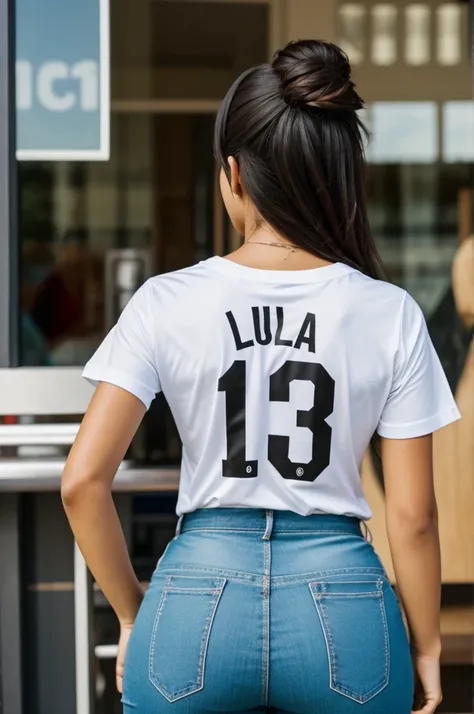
pixel 279 362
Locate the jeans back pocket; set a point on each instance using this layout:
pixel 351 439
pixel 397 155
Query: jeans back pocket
pixel 355 628
pixel 181 634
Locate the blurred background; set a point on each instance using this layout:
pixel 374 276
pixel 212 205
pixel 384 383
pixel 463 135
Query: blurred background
pixel 114 181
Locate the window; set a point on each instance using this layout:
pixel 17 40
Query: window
pixel 352 19
pixel 417 34
pixel 403 132
pixel 384 34
pixel 449 27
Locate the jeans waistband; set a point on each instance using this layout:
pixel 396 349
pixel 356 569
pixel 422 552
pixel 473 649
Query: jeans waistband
pixel 268 522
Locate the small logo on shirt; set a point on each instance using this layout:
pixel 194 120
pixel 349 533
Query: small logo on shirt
pixel 299 471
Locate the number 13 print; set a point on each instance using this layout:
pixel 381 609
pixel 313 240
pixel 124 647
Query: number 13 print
pixel 233 383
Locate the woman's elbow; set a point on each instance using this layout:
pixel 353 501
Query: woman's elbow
pixel 78 488
pixel 412 522
pixel 71 490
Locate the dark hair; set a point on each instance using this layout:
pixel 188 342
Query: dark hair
pixel 293 128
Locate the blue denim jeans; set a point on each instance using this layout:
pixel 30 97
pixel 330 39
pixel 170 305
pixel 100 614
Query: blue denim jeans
pixel 251 610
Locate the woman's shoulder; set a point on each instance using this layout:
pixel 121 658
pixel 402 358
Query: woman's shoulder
pixel 382 295
pixel 189 275
pixel 183 289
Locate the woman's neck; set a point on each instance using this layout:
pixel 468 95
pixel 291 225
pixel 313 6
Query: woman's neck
pixel 265 249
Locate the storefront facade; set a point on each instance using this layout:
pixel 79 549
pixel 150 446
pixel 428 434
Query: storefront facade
pixel 79 233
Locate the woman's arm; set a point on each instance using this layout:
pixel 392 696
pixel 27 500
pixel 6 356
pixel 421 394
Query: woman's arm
pixel 412 528
pixel 103 439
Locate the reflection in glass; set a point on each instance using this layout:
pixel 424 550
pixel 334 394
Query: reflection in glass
pixel 449 28
pixel 183 50
pixel 416 237
pixel 352 25
pixel 458 132
pixel 75 216
pixel 403 132
pixel 384 34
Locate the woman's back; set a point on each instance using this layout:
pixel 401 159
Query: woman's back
pixel 277 379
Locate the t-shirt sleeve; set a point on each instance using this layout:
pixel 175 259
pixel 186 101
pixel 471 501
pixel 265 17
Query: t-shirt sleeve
pixel 420 400
pixel 126 357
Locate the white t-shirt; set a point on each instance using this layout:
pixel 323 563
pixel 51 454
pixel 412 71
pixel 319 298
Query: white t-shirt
pixel 277 380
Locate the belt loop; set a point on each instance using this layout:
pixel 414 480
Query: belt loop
pixel 368 533
pixel 178 525
pixel 268 526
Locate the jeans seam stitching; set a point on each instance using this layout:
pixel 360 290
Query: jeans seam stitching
pixel 301 577
pixel 276 531
pixel 207 633
pixel 327 637
pixel 386 638
pixel 352 595
pixel 151 661
pixel 277 580
pixel 201 591
pixel 187 529
pixel 208 569
pixel 266 621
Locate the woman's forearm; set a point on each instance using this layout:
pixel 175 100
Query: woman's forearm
pixel 97 529
pixel 417 563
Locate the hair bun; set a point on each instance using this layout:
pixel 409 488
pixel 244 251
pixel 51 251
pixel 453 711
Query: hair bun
pixel 316 74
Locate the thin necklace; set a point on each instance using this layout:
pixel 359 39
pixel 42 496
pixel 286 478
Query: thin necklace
pixel 290 248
